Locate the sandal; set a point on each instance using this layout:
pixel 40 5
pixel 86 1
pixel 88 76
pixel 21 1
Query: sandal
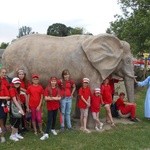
pixel 86 131
pixel 35 133
pixel 113 124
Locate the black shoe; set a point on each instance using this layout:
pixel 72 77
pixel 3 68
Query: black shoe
pixel 134 119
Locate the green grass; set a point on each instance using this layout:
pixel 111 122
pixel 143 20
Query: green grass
pixel 123 137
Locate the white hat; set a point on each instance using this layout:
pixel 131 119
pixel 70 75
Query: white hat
pixel 16 80
pixel 97 90
pixel 85 80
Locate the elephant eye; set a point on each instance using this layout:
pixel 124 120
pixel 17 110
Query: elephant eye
pixel 128 60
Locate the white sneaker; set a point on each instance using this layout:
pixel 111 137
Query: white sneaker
pixel 19 136
pixel 54 132
pixel 101 126
pixel 0 130
pixel 3 139
pixel 13 138
pixel 44 137
pixel 96 128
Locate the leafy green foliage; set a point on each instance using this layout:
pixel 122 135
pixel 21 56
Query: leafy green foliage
pixel 58 29
pixel 133 25
pixel 3 45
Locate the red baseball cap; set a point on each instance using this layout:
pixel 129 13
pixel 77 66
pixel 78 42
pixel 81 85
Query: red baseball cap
pixel 35 76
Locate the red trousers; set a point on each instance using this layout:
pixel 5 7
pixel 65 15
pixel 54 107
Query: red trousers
pixel 129 109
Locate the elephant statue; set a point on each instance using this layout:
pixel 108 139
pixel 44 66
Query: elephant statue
pixel 94 57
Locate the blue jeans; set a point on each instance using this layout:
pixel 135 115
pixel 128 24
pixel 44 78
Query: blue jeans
pixel 66 105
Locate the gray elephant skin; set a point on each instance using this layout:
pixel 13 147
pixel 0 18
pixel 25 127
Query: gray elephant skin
pixel 94 57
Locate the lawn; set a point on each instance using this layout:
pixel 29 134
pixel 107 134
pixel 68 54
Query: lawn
pixel 123 137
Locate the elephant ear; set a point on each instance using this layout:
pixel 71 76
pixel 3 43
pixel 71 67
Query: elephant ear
pixel 104 52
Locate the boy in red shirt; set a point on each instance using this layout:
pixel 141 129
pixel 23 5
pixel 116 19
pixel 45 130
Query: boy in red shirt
pixel 96 102
pixel 84 103
pixel 35 97
pixel 52 97
pixel 126 107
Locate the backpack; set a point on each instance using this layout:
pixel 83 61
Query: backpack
pixel 114 110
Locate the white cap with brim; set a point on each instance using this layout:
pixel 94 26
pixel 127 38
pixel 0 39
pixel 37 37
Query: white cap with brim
pixel 85 80
pixel 16 80
pixel 97 90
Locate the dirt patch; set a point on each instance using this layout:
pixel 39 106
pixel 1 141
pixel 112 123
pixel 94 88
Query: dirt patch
pixel 106 126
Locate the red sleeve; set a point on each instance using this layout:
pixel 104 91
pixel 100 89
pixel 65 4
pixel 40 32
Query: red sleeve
pixel 72 82
pixel 115 80
pixel 12 92
pixel 28 90
pixel 46 93
pixel 80 91
pixel 42 90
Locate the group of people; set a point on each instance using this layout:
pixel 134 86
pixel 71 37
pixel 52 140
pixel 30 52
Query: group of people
pixel 28 98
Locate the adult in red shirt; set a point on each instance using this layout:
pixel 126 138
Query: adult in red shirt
pixel 4 96
pixel 107 100
pixel 67 87
pixel 52 98
pixel 23 96
pixel 84 103
pixel 126 107
pixel 15 96
pixel 35 97
pixel 96 101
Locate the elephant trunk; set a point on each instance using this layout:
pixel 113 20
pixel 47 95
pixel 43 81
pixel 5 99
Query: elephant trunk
pixel 129 84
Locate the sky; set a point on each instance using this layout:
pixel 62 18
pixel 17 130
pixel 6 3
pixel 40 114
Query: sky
pixel 92 15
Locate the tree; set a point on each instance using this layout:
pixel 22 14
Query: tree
pixel 58 29
pixel 133 25
pixel 3 45
pixel 76 30
pixel 24 30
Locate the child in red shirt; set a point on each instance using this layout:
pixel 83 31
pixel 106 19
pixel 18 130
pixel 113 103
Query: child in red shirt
pixel 126 107
pixel 96 101
pixel 52 97
pixel 35 97
pixel 84 103
pixel 15 96
pixel 107 100
pixel 67 86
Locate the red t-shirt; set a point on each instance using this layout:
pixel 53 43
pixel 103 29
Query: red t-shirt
pixel 35 93
pixel 66 87
pixel 106 94
pixel 13 93
pixel 95 103
pixel 53 92
pixel 24 86
pixel 4 91
pixel 120 104
pixel 86 93
pixel 5 82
